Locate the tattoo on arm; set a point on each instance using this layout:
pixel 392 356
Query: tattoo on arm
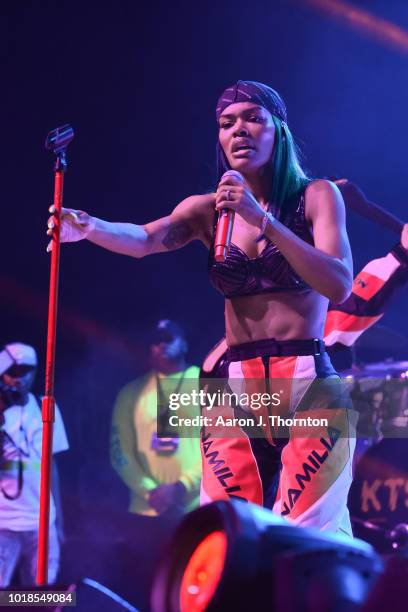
pixel 177 235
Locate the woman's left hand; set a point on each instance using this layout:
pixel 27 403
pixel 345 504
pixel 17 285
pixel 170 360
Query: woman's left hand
pixel 236 196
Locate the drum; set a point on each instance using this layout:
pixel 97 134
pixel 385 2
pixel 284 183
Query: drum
pixel 378 498
pixel 380 395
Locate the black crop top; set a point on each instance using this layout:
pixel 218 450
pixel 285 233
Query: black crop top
pixel 269 272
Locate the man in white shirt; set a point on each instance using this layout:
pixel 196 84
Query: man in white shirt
pixel 20 460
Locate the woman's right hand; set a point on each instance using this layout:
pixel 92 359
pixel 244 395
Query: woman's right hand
pixel 75 225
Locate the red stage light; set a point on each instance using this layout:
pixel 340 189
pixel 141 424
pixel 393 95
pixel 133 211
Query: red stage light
pixel 203 572
pixel 226 556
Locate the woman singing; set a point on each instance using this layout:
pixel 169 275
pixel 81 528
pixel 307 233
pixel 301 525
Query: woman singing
pixel 289 256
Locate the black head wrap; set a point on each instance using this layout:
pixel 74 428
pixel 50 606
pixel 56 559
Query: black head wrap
pixel 251 91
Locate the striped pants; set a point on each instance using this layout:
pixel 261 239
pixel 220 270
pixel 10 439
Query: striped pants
pixel 301 470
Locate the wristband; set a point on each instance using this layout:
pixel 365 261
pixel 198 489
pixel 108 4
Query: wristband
pixel 268 217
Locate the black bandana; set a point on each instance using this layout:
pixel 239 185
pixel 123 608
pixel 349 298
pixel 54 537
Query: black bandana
pixel 251 91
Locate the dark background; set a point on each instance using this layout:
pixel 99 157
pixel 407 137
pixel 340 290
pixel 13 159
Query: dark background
pixel 139 82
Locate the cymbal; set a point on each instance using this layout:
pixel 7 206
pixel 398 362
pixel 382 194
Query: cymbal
pixel 387 366
pixel 379 369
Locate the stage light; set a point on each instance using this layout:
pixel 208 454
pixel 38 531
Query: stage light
pixel 203 572
pixel 239 556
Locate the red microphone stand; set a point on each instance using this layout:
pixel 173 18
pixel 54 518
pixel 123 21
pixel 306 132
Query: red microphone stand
pixel 57 141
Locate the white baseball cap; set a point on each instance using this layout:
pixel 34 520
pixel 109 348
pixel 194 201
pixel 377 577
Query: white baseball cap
pixel 17 353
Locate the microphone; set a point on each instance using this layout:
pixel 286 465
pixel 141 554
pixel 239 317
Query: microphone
pixel 58 139
pixel 225 224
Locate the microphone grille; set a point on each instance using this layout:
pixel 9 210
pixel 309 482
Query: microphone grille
pixel 235 174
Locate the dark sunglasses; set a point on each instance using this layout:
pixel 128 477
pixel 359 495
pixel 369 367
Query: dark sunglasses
pixel 19 370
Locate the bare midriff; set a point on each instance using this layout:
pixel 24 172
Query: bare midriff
pixel 282 316
pixel 300 315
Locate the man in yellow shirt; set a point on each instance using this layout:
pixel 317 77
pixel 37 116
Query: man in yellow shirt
pixel 163 474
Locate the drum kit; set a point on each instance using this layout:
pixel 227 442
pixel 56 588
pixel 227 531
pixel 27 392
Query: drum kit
pixel 379 391
pixel 380 395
